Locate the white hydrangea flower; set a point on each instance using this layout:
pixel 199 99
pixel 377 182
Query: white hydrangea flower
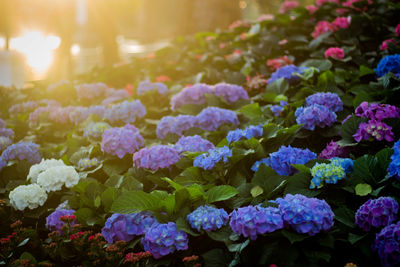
pixel 45 164
pixel 54 178
pixel 31 196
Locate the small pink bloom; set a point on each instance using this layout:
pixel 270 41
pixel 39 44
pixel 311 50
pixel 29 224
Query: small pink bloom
pixel 322 27
pixel 151 56
pixel 239 23
pixel 198 56
pixel 163 78
pixel 265 17
pixel 321 2
pixel 384 44
pixel 210 38
pixel 398 30
pixel 311 9
pixel 129 88
pixel 277 63
pixel 334 52
pixel 288 5
pixel 340 23
pixel 222 45
pixel 283 42
pixel 243 35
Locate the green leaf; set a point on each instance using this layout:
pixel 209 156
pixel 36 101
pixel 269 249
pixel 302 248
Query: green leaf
pixel 349 128
pixel 363 189
pixel 107 197
pixel 256 191
pixel 294 237
pixel 278 87
pixel 220 235
pixel 301 168
pixel 353 238
pixel 221 192
pixel 135 201
pixel 365 71
pixel 182 224
pixel 320 64
pixel 28 256
pixel 87 216
pixel 252 112
pixel 175 185
pixel 238 248
pixel 97 201
pixel 23 243
pixel 345 216
pixel 182 199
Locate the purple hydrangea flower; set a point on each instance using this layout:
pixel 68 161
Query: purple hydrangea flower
pixel 4 142
pixel 91 90
pixel 22 107
pixel 377 213
pixel 191 95
pixel 315 115
pixel 378 112
pixel 252 221
pixel 387 244
pixel 2 124
pixel 212 118
pixel 79 114
pixel 127 111
pixel 345 163
pixel 230 92
pixel 277 109
pixel 99 111
pixel 332 150
pixel 281 160
pixel 208 160
pixel 247 133
pixel 147 86
pixel 95 130
pixel 9 133
pixel 156 157
pixel 288 73
pixel 193 143
pixel 53 222
pixel 394 166
pixel 390 63
pixel 125 226
pixel 23 151
pixel 376 129
pixel 305 215
pixel 207 218
pixel 121 140
pixel 113 96
pixel 175 125
pixel 164 239
pixel 330 100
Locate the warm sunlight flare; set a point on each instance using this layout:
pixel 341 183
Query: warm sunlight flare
pixel 75 49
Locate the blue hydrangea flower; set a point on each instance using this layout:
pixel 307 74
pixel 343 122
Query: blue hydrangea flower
pixel 23 151
pixel 345 163
pixel 315 115
pixel 193 143
pixel 78 114
pixel 390 63
pixel 252 221
pixel 247 133
pixel 305 215
pixel 7 133
pixel 208 160
pixel 330 100
pixel 277 109
pixel 164 239
pixel 53 222
pixel 22 108
pixel 175 125
pixel 87 163
pixel 326 173
pixel 156 157
pixel 126 226
pixel 387 244
pixel 99 111
pixel 377 213
pixel 287 72
pixel 394 166
pixel 95 130
pixel 211 118
pixel 207 218
pixel 121 140
pixel 191 95
pixel 127 111
pixel 147 86
pixel 230 92
pixel 281 160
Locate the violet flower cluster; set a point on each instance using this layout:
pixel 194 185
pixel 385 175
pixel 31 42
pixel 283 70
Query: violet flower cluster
pixel 277 109
pixel 230 92
pixel 22 107
pixel 4 142
pixel 22 151
pixel 175 125
pixel 252 221
pixel 91 90
pixel 211 118
pixel 127 111
pixel 147 87
pixel 164 239
pixel 121 140
pixel 330 100
pixel 387 244
pixel 377 112
pixel 333 149
pixel 53 222
pixel 390 63
pixel 207 161
pixel 191 95
pixel 288 73
pixel 247 133
pixel 281 160
pixel 156 157
pixel 377 213
pixel 193 143
pixel 315 115
pixel 394 166
pixel 207 218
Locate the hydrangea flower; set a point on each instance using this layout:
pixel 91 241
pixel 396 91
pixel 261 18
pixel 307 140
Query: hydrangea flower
pixel 125 226
pixel 79 114
pixel 305 215
pixel 326 173
pixel 23 151
pixel 2 123
pixel 281 160
pixel 90 90
pixel 287 72
pixel 119 141
pixel 378 112
pixel 252 221
pixel 230 92
pixel 156 157
pixel 394 166
pixel 211 118
pixel 377 213
pixel 87 163
pixel 315 115
pixel 345 163
pixel 375 129
pixel 340 23
pixel 207 218
pixel 390 63
pixel 44 165
pixel 193 143
pixel 147 86
pixel 385 43
pixel 175 125
pixel 95 130
pixel 288 5
pixel 22 108
pixel 27 196
pixel 208 160
pixel 54 178
pixel 164 239
pixel 247 133
pixel 127 111
pixel 332 150
pixel 330 100
pixel 53 222
pixel 4 143
pixel 7 133
pixel 321 28
pixel 277 109
pixel 191 95
pixel 387 244
pixel 277 63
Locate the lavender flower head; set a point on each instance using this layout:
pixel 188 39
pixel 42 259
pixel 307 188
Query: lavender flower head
pixel 378 112
pixel 305 215
pixel 125 226
pixel 212 118
pixel 374 129
pixel 127 111
pixel 22 108
pixel 247 133
pixel 277 109
pixel 119 141
pixel 394 166
pixel 390 63
pixel 2 124
pixel 9 133
pixel 79 114
pixel 147 86
pixel 387 244
pixel 175 125
pixel 91 90
pixel 330 100
pixel 314 115
pixel 4 143
pixel 288 73
pixel 193 143
pixel 208 160
pixel 207 218
pixel 332 150
pixel 252 221
pixel 23 151
pixel 95 130
pixel 156 157
pixel 281 160
pixel 377 213
pixel 53 222
pixel 191 95
pixel 164 239
pixel 230 92
pixel 326 173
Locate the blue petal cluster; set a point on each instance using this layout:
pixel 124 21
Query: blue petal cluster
pixel 277 109
pixel 326 173
pixel 147 86
pixel 193 143
pixel 390 63
pixel 387 244
pixel 4 142
pixel 377 213
pixel 175 125
pixel 230 92
pixel 305 215
pixel 315 115
pixel 252 221
pixel 287 72
pixel 127 111
pixel 211 118
pixel 207 218
pixel 23 151
pixel 345 163
pixel 53 222
pixel 281 160
pixel 330 100
pixel 164 239
pixel 394 166
pixel 247 133
pixel 156 157
pixel 191 95
pixel 121 140
pixel 126 226
pixel 208 160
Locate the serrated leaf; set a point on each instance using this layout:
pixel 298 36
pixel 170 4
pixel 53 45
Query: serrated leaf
pixel 220 193
pixel 363 189
pixel 135 201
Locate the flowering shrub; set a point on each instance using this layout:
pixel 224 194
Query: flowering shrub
pixel 212 118
pixel 127 112
pixel 175 125
pixel 155 157
pixel 388 64
pixel 394 166
pixel 247 133
pixel 54 222
pixel 207 218
pixel 44 165
pixel 146 86
pixel 387 245
pixel 27 196
pixel 315 115
pixel 208 160
pixel 328 173
pixel 191 95
pixel 193 143
pixel 230 92
pixel 121 140
pixel 330 100
pixel 333 149
pixel 288 73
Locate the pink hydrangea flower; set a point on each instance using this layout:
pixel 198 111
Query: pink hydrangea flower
pixel 312 9
pixel 265 17
pixel 340 23
pixel 277 63
pixel 321 2
pixel 334 52
pixel 384 44
pixel 398 30
pixel 322 27
pixel 288 5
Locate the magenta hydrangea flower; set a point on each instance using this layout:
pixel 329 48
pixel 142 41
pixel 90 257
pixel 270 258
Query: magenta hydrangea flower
pixel 375 111
pixel 119 141
pixel 193 143
pixel 175 125
pixel 156 157
pixel 53 222
pixel 340 23
pixel 288 5
pixel 334 52
pixel 230 92
pixel 333 150
pixel 321 28
pixel 330 100
pixel 387 244
pixel 315 115
pixel 212 118
pixel 375 129
pixel 191 95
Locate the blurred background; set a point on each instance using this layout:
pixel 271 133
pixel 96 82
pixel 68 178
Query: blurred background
pixel 59 38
